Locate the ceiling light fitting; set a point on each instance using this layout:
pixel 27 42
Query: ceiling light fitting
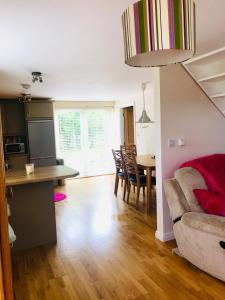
pixel 25 97
pixel 144 119
pixel 158 33
pixel 37 77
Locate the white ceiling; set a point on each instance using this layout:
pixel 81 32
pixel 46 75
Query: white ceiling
pixel 78 45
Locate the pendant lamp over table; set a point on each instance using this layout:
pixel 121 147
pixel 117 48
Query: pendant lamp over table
pixel 159 32
pixel 144 119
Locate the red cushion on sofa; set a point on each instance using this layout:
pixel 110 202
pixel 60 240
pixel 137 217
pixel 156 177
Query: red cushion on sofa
pixel 212 168
pixel 211 202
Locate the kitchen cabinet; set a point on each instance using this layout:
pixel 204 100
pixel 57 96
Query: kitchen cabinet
pixel 3 120
pixel 41 142
pixel 32 206
pixel 39 110
pixel 13 121
pixel 43 162
pixel 18 161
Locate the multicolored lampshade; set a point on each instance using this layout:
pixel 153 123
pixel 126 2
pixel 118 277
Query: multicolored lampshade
pixel 159 32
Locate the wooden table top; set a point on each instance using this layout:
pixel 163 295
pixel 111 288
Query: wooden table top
pixel 41 174
pixel 145 161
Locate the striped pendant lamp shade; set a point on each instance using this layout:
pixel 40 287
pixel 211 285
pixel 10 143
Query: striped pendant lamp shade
pixel 159 32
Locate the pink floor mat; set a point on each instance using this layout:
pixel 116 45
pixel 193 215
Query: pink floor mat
pixel 59 197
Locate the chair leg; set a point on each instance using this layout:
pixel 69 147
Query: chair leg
pixel 137 197
pixel 122 182
pixel 124 190
pixel 134 188
pixel 144 191
pixel 116 185
pixel 128 192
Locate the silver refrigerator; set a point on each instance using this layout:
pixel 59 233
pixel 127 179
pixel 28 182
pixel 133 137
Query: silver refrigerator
pixel 41 139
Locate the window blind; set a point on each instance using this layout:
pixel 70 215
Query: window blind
pixel 69 131
pixel 84 139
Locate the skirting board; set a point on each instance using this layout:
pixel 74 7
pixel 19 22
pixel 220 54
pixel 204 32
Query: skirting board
pixel 164 237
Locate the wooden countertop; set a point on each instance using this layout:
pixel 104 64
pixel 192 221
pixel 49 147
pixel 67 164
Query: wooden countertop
pixel 41 174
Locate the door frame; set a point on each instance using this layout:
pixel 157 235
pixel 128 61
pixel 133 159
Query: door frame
pixel 129 124
pixel 121 128
pixel 6 288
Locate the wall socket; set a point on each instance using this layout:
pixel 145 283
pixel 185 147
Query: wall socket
pixel 181 142
pixel 171 142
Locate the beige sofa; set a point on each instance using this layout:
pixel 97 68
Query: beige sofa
pixel 200 237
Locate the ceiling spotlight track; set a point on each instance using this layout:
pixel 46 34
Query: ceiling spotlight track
pixel 25 96
pixel 37 77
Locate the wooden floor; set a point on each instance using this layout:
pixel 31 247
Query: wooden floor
pixel 107 250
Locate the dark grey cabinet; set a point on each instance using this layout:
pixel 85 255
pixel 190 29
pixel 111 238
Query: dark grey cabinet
pixel 41 139
pixel 39 110
pixel 40 132
pixel 43 162
pixel 3 120
pixel 13 119
pixel 33 215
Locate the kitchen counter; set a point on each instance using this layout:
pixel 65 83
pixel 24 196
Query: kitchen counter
pixel 41 174
pixel 32 205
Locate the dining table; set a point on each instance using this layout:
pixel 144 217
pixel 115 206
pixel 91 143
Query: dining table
pixel 147 163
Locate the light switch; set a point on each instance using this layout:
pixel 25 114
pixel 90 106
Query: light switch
pixel 181 142
pixel 171 143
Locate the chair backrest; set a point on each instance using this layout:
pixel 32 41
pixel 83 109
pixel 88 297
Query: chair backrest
pixel 129 159
pixel 118 159
pixel 132 148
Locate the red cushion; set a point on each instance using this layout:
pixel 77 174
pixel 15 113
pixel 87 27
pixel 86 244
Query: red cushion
pixel 211 202
pixel 212 168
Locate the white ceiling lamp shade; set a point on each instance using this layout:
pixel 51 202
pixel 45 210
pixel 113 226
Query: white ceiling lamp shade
pixel 144 119
pixel 159 32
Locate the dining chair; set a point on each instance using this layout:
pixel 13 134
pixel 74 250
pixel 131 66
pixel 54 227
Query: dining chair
pixel 125 174
pixel 119 169
pixel 134 176
pixel 133 148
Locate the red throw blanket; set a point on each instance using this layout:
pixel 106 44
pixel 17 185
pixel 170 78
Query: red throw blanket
pixel 212 168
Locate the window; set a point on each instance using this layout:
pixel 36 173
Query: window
pixel 84 139
pixel 69 131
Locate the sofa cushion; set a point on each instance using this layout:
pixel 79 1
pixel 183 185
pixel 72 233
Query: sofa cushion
pixel 211 202
pixel 206 223
pixel 190 179
pixel 212 168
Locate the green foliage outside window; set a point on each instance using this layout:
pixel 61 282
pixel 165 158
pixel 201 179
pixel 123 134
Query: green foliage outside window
pixel 69 131
pixel 96 129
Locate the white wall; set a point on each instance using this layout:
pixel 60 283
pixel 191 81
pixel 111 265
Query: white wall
pixel 144 137
pixel 182 110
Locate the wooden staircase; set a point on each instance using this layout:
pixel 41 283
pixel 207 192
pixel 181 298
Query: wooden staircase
pixel 209 72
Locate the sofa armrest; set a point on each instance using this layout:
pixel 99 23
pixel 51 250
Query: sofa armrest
pixel 175 199
pixel 206 223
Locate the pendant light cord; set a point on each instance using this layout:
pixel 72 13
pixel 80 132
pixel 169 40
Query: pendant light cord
pixel 143 93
